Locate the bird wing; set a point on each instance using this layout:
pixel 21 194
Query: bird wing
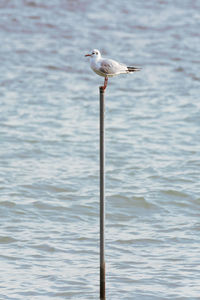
pixel 109 67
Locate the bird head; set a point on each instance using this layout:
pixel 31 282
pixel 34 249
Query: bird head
pixel 95 53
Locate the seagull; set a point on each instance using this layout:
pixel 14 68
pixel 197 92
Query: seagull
pixel 107 67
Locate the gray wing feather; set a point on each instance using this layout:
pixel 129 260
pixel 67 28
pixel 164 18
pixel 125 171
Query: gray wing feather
pixel 110 66
pixel 106 67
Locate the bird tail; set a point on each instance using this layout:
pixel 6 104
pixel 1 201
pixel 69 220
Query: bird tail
pixel 133 69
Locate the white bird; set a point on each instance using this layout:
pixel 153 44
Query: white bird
pixel 108 67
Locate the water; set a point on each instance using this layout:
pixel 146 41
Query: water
pixel 49 114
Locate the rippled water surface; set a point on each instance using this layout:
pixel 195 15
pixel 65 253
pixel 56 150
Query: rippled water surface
pixel 49 159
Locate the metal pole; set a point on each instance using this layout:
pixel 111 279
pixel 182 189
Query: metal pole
pixel 102 196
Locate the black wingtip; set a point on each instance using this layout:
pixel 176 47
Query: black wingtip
pixel 133 69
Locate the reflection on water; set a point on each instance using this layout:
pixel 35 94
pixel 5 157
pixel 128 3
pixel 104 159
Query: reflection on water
pixel 49 205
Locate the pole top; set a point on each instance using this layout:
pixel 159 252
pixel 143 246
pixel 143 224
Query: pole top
pixel 101 89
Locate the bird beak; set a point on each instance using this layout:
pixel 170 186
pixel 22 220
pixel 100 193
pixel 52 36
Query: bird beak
pixel 88 55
